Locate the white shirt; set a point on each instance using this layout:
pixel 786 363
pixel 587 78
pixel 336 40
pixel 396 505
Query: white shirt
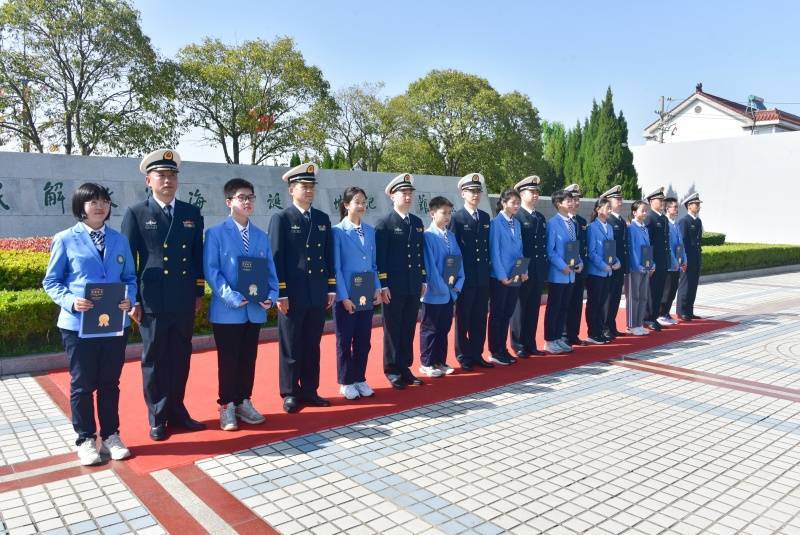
pixel 533 211
pixel 508 220
pixel 302 210
pixel 402 215
pixel 162 204
pixel 240 227
pixel 101 230
pixel 605 227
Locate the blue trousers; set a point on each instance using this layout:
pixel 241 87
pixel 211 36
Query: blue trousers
pixel 353 332
pixel 555 314
pixel 95 365
pixel 502 302
pixel 433 331
pixel 597 289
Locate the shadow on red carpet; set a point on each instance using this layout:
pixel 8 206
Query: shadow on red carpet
pixel 182 448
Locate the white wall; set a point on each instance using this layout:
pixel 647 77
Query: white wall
pixel 710 123
pixel 747 183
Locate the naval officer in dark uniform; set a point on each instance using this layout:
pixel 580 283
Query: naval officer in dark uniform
pixel 658 229
pixel 691 228
pixel 470 225
pixel 620 228
pixel 302 244
pixel 575 308
pixel 166 238
pixel 534 246
pixel 401 270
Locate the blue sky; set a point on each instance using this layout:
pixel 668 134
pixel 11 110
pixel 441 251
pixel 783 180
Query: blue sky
pixel 561 54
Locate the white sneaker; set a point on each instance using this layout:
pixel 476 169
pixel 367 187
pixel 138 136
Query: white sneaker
pixel 113 447
pixel 554 348
pixel 227 417
pixel 430 371
pixel 565 347
pixel 445 369
pixel 248 414
pixel 590 340
pixel 349 391
pixel 364 389
pixel 667 321
pixel 87 453
pixel 639 331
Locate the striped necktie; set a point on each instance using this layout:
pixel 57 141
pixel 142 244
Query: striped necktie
pixel 246 239
pixel 99 239
pixel 446 240
pixel 571 227
pixel 511 226
pixel 475 216
pixel 360 232
pixel 168 212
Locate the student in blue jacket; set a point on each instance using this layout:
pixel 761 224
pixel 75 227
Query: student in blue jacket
pixel 235 319
pixel 637 287
pixel 440 296
pixel 91 252
pixel 677 264
pixel 560 277
pixel 354 252
pixel 505 247
pixel 599 269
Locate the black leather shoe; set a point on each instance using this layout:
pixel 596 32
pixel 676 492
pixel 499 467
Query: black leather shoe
pixel 522 354
pixel 316 401
pixel 617 333
pixel 466 366
pixel 190 424
pixel 158 433
pixel 290 404
pixel 414 381
pixel 537 353
pixel 398 383
pixel 608 335
pixel 483 364
pixel 652 325
pixel 576 342
pixel 695 317
pixel 684 318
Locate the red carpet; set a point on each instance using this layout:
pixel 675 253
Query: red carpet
pixel 183 448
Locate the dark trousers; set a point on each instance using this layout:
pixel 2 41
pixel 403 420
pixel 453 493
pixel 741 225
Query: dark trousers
pixel 555 313
pixel 615 287
pixel 353 332
pixel 167 341
pixel 687 287
pixel 670 289
pixel 433 332
pixel 502 300
pixel 237 348
pixel 399 322
pixel 657 282
pixel 300 333
pixel 472 307
pixel 575 307
pixel 95 364
pixel 597 289
pixel 525 319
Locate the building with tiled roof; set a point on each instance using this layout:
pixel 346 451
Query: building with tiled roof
pixel 705 116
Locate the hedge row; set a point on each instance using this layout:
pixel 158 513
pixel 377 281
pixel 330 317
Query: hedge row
pixel 712 238
pixel 20 270
pixel 28 317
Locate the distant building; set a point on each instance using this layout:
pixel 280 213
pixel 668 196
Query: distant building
pixel 706 116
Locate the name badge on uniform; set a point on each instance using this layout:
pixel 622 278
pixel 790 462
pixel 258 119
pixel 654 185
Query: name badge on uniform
pixel 188 224
pixel 398 230
pixel 322 227
pixel 467 227
pixel 296 229
pixel 150 224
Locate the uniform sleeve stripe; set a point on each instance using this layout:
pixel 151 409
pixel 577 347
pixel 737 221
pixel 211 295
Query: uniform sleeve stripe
pixel 331 281
pixel 383 276
pixel 281 285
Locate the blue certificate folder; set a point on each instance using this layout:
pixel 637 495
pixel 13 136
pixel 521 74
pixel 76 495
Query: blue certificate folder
pixel 647 256
pixel 452 264
pixel 105 318
pixel 252 278
pixel 571 256
pixel 609 251
pixel 362 290
pixel 520 267
pixel 679 253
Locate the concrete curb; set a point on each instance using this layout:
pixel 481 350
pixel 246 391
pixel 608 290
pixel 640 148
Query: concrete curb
pixel 53 361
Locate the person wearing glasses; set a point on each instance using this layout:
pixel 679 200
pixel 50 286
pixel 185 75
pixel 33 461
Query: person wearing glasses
pixel 237 318
pixel 91 252
pixel 166 237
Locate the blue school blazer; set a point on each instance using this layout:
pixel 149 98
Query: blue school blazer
pixel 675 238
pixel 75 261
pixel 504 247
pixel 597 262
pixel 638 235
pixel 438 292
pixel 221 250
pixel 350 256
pixel 557 237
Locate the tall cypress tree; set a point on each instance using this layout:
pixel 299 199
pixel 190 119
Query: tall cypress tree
pixel 572 155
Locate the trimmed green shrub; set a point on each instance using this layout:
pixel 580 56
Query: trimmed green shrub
pixel 712 238
pixel 21 270
pixel 743 256
pixel 27 319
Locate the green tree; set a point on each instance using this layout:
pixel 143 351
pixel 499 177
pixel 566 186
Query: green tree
pixel 81 74
pixel 251 97
pixel 327 159
pixel 572 156
pixel 554 141
pixel 295 160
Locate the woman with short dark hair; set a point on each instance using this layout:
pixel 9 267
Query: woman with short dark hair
pixel 92 252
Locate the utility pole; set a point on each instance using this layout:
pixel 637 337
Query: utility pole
pixel 664 117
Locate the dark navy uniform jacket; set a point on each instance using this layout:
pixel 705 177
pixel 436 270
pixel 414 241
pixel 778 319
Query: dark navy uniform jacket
pixel 621 239
pixel 658 228
pixel 303 256
pixel 401 265
pixel 692 231
pixel 169 257
pixel 534 241
pixel 473 240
